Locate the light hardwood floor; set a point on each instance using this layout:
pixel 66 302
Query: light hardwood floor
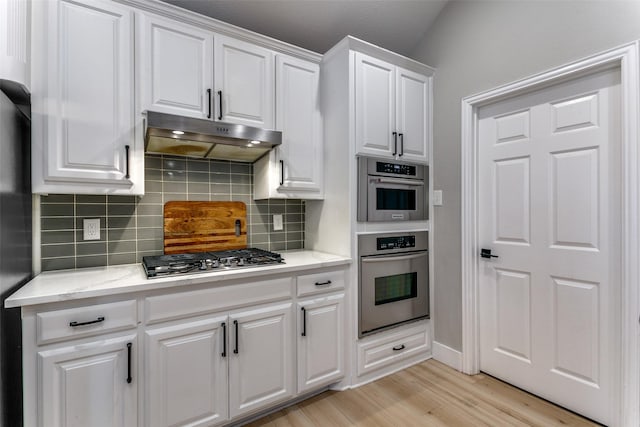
pixel 427 394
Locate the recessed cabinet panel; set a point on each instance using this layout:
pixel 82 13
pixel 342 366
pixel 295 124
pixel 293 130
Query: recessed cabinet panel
pixel 412 115
pixel 244 83
pixel 176 62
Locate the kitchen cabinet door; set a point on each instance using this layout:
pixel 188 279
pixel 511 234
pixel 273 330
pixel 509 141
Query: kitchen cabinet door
pixel 375 106
pixel 176 67
pixel 320 342
pixel 412 115
pixel 294 169
pixel 244 83
pixel 261 367
pixel 186 373
pixel 82 105
pixel 86 384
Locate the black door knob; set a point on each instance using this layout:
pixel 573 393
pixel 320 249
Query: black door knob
pixel 486 253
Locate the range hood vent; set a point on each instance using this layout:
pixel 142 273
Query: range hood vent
pixel 185 136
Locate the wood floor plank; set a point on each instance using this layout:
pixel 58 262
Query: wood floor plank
pixel 427 394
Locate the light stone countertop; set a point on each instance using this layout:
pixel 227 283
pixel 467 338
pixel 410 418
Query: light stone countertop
pixel 69 285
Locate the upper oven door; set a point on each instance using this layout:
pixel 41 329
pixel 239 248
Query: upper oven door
pixel 393 289
pixel 395 199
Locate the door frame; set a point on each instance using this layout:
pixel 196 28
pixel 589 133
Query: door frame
pixel 624 58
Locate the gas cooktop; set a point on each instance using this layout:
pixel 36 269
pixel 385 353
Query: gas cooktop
pixel 206 262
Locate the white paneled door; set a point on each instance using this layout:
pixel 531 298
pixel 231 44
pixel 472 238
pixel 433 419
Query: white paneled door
pixel 550 210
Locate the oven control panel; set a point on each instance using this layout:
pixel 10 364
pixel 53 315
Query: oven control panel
pixel 396 242
pixel 395 168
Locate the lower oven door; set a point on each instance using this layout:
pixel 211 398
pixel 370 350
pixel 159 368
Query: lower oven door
pixel 393 199
pixel 393 289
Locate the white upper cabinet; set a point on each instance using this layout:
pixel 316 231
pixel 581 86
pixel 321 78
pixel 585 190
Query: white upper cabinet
pixel 82 101
pixel 175 62
pixel 392 110
pixel 14 41
pixel 294 169
pixel 244 83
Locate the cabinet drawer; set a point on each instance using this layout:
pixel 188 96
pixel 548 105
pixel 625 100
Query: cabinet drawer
pixel 184 304
pixel 85 321
pixel 316 283
pixel 377 353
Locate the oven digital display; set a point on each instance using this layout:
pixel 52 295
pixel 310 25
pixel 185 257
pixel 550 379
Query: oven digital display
pixel 383 243
pixel 395 199
pixel 395 169
pixel 396 288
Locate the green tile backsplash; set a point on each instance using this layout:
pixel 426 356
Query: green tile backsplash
pixel 131 226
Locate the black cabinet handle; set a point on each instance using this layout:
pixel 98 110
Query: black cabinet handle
pixel 220 105
pixel 224 339
pixel 398 347
pixel 401 135
pixel 209 102
pixel 304 322
pixel 98 320
pixel 395 143
pixel 328 282
pixel 126 152
pixel 129 379
pixel 281 172
pixel 235 350
pixel 486 253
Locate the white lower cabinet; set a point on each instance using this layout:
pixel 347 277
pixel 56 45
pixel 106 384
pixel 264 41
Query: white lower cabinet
pixel 261 359
pixel 186 373
pixel 89 383
pixel 320 342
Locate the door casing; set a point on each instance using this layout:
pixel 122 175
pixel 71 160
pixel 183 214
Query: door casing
pixel 627 412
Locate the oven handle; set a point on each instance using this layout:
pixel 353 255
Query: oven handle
pixel 398 181
pixel 387 258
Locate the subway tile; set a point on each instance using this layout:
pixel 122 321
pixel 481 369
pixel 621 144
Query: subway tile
pixel 194 187
pixel 240 189
pixel 64 263
pixel 61 250
pixel 174 176
pixel 148 253
pixel 277 236
pixel 57 210
pixel 241 179
pixel 120 210
pixel 150 233
pixel 294 235
pixel 245 198
pixel 149 209
pixel 294 208
pixel 121 222
pixel 57 198
pixel 153 174
pixel 121 246
pixel 124 258
pixel 216 188
pixel 198 177
pixel 219 178
pixel 198 166
pixel 258 228
pixel 153 186
pixel 294 226
pixel 198 197
pixel 293 217
pixel 259 238
pixel 150 198
pixel 91 261
pixel 49 237
pixel 114 234
pixel 295 245
pixel 122 199
pixel 150 245
pixel 94 248
pixel 241 168
pixel 174 163
pixel 174 187
pixel 221 167
pixel 91 210
pixel 150 221
pixel 91 198
pixel 153 161
pixel 278 246
pixel 66 223
pixel 276 209
pixel 175 196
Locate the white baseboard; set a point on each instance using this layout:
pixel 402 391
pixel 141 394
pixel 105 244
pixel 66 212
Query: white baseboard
pixel 447 355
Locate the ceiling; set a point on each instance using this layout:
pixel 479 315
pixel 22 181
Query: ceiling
pixel 317 25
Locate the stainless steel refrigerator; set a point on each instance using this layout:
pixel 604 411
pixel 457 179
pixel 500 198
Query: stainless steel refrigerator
pixel 15 240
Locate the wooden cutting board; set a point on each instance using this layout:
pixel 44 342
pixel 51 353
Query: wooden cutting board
pixel 204 226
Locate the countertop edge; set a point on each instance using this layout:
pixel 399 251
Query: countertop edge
pixel 30 295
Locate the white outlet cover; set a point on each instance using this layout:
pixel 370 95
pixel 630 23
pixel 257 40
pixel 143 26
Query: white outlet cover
pixel 91 228
pixel 437 197
pixel 277 222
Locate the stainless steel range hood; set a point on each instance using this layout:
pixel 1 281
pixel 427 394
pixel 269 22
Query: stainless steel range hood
pixel 185 136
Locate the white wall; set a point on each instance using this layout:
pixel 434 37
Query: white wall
pixel 477 45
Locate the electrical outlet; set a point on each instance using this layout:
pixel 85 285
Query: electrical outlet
pixel 277 222
pixel 91 229
pixel 437 197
